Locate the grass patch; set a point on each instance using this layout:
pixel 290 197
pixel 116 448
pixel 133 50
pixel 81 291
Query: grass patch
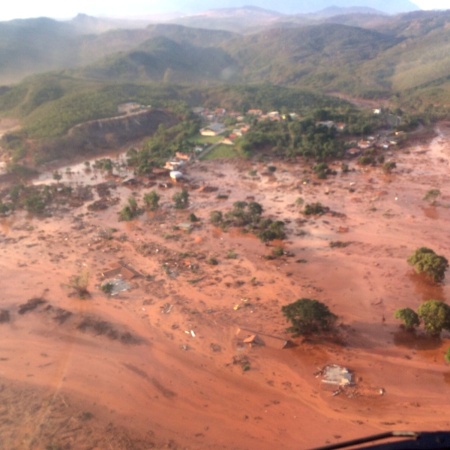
pixel 222 151
pixel 207 139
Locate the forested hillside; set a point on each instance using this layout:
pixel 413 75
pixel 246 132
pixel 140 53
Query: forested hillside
pixel 404 59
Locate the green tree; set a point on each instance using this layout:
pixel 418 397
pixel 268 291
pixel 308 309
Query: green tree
pixel 435 316
pixel 409 317
pixel 427 261
pixel 181 199
pixel 308 316
pixel 151 200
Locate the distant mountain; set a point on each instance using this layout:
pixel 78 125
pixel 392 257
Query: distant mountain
pixel 245 19
pixel 362 53
pixel 33 45
pixel 39 45
pixel 292 6
pixel 326 56
pixel 333 11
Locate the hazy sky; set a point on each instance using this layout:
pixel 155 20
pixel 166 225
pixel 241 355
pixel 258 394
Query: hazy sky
pixel 115 8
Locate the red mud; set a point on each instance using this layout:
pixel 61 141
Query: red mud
pixel 167 380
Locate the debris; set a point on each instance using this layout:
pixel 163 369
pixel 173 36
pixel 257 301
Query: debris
pixel 116 285
pixel 252 337
pixel 166 308
pixel 124 270
pixel 215 347
pixel 336 375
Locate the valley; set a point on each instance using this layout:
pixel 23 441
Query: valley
pixel 167 190
pixel 159 365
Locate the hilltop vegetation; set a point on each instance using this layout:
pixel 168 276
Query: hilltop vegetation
pixel 289 66
pixel 366 55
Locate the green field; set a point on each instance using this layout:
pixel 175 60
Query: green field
pixel 207 139
pixel 222 151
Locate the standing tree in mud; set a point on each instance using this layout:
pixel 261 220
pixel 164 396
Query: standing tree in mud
pixel 424 260
pixel 435 316
pixel 409 317
pixel 308 316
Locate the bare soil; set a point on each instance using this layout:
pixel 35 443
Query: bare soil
pixel 158 365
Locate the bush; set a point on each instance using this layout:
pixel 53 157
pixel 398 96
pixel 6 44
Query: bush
pixel 130 211
pixel 428 262
pixel 409 317
pixel 314 209
pixel 216 217
pixel 181 199
pixel 79 283
pixel 447 355
pixel 107 287
pixel 432 195
pixel 151 200
pixel 308 316
pixel 389 166
pixel 435 316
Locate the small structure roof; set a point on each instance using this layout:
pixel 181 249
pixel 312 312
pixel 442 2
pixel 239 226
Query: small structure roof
pixel 252 337
pixel 123 270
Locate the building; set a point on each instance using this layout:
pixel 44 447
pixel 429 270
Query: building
pixel 214 129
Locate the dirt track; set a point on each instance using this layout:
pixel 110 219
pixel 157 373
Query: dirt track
pixel 167 387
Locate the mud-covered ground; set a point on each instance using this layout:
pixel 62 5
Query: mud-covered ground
pixel 159 365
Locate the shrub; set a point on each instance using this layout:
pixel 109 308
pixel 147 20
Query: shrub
pixel 216 217
pixel 424 260
pixel 181 199
pixel 79 283
pixel 308 316
pixel 107 287
pixel 409 317
pixel 447 355
pixel 435 316
pixel 151 200
pixel 130 211
pixel 314 209
pixel 389 166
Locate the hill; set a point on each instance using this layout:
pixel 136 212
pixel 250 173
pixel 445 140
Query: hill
pixel 162 59
pixel 322 56
pixel 370 55
pixel 32 46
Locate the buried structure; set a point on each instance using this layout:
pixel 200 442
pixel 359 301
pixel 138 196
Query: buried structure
pixel 255 338
pixel 336 375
